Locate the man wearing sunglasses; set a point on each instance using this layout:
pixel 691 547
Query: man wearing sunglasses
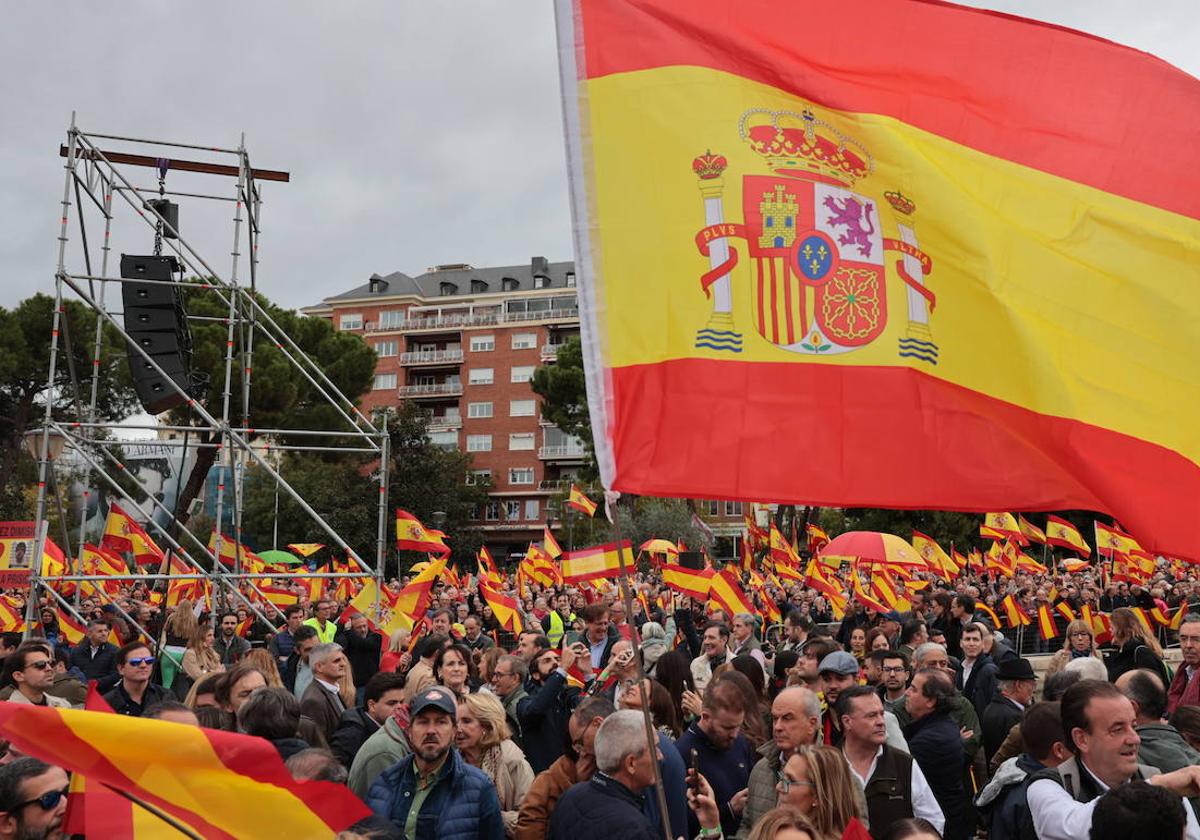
pixel 31 670
pixel 33 800
pixel 135 693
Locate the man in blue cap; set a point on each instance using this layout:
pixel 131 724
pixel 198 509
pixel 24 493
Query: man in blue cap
pixel 434 794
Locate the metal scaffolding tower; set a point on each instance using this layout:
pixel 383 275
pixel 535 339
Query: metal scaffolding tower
pixel 102 177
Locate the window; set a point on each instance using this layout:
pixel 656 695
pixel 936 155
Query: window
pixel 522 373
pixel 444 440
pixel 570 279
pixel 385 382
pixel 479 409
pixel 520 475
pixel 522 408
pixel 351 322
pixel 392 319
pixel 483 343
pixel 481 376
pixel 492 512
pixel 713 507
pixel 446 289
pixel 479 443
pixel 386 348
pixel 479 477
pixel 524 341
pixel 532 508
pixel 733 508
pixel 521 441
pixel 512 510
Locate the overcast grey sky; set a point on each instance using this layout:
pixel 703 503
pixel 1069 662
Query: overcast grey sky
pixel 416 132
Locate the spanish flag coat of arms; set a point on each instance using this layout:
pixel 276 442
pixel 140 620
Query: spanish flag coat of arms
pixel 886 253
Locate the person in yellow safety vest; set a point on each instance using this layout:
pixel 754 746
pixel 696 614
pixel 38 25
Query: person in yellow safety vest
pixel 558 621
pixel 323 621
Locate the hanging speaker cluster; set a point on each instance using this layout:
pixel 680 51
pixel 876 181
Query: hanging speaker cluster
pixel 157 323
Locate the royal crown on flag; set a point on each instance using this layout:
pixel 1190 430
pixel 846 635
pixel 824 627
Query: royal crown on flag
pixel 791 141
pixel 709 166
pixel 900 202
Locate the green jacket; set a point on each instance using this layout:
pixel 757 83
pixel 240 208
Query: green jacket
pixel 1163 747
pixel 386 746
pixel 962 711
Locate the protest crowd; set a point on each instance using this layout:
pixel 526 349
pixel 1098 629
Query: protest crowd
pixel 771 718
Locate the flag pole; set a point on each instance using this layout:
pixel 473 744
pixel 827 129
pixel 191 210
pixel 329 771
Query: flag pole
pixel 610 507
pixel 169 820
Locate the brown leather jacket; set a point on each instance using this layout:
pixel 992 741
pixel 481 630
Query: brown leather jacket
pixel 533 821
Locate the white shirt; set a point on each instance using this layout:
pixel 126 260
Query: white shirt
pixel 1056 816
pixel 924 804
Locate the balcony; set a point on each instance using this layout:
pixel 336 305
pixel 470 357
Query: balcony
pixel 445 424
pixel 549 352
pixel 432 357
pixel 436 390
pixel 554 485
pixel 569 452
pixel 542 315
pixel 449 322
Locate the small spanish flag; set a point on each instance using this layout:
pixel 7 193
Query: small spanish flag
pixel 991 613
pixel 1180 614
pixel 695 583
pixel 581 502
pixel 865 599
pixel 1046 626
pixel 1033 532
pixel 411 534
pixel 727 591
pixel 505 608
pixel 1016 616
pixel 600 561
pixel 550 544
pixel 1063 534
pixel 1064 609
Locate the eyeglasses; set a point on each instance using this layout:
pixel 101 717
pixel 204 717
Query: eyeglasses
pixel 48 801
pixel 1081 634
pixel 140 660
pixel 786 784
pixel 502 674
pixel 894 669
pixel 578 742
pixel 41 665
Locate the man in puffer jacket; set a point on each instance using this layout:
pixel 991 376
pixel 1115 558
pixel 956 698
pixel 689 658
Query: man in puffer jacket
pixel 1002 801
pixel 433 794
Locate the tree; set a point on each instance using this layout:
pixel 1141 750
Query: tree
pixel 25 336
pixel 431 482
pixel 280 395
pixel 563 389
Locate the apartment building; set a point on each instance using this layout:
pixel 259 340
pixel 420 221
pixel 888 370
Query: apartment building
pixel 463 343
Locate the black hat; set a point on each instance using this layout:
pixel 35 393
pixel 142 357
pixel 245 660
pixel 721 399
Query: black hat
pixel 1015 669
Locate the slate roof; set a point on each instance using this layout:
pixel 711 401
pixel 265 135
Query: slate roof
pixel 429 284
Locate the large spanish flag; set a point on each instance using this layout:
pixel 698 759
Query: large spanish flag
pixel 886 253
pixel 218 784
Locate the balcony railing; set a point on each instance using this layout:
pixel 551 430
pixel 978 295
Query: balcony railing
pixel 444 424
pixel 438 389
pixel 553 453
pixel 549 352
pixel 554 484
pixel 542 315
pixel 449 322
pixel 431 357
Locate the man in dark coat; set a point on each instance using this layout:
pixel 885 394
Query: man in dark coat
pixel 977 677
pixel 1016 682
pixel 135 693
pixel 381 695
pixel 96 657
pixel 936 744
pixel 321 703
pixel 363 647
pixel 610 804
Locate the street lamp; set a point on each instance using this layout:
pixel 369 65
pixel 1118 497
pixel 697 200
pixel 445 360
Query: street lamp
pixel 33 443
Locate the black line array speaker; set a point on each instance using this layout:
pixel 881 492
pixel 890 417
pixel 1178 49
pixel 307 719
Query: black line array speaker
pixel 156 321
pixel 691 559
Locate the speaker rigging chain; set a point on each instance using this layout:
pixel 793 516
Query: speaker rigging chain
pixel 163 165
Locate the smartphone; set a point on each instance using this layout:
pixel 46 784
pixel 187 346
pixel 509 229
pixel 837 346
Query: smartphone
pixel 693 777
pixel 572 637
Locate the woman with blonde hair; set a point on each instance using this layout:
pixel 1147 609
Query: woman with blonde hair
pixel 200 659
pixel 783 823
pixel 1080 641
pixel 396 657
pixel 1136 647
pixel 346 690
pixel 262 659
pixel 485 741
pixel 177 632
pixel 816 780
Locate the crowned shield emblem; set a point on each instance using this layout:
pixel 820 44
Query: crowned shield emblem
pixel 815 244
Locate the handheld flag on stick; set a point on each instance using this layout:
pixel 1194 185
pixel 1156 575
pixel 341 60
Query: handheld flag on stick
pixel 695 583
pixel 412 535
pixel 578 499
pixel 123 534
pixel 1063 534
pixel 600 561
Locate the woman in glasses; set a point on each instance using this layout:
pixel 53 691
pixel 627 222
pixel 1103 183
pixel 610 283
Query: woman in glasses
pixel 1080 641
pixel 816 781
